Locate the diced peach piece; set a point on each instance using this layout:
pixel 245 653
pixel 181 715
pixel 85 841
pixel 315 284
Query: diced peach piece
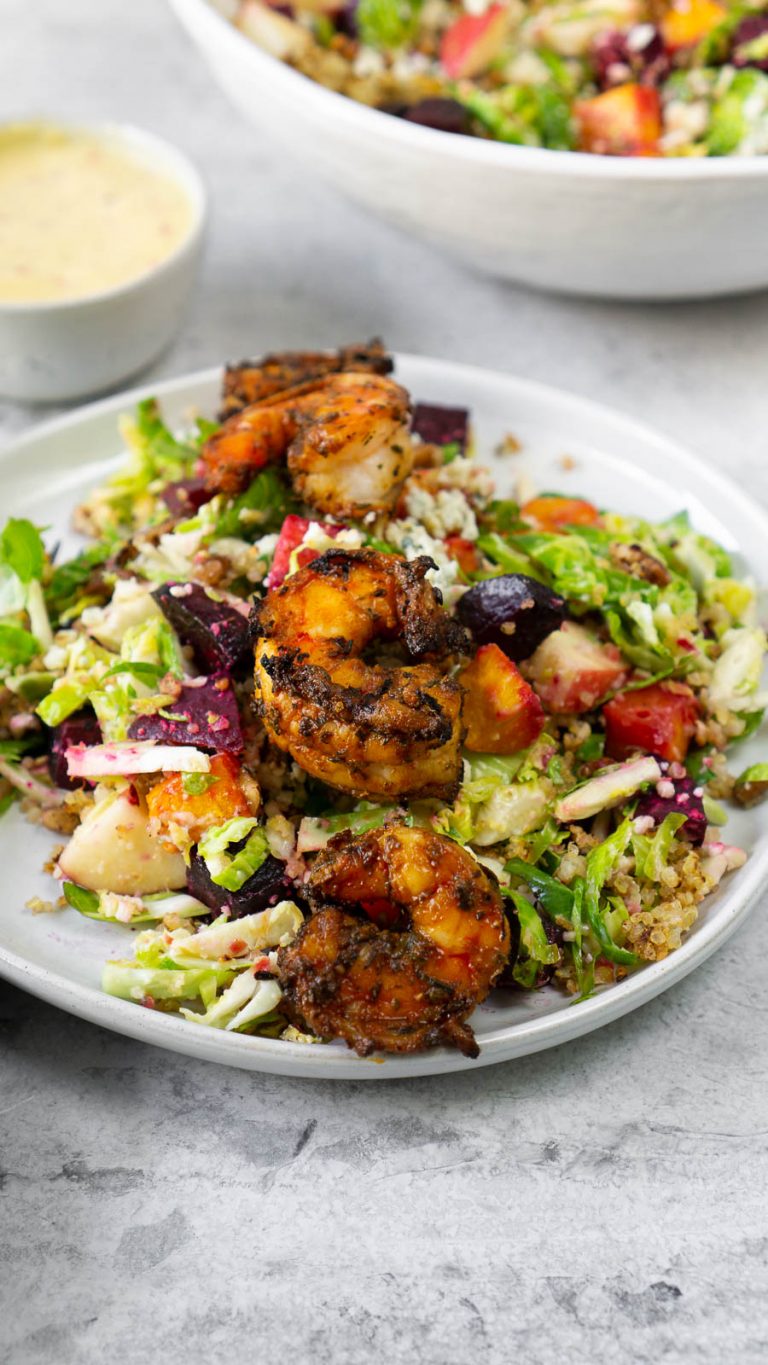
pixel 549 514
pixel 473 41
pixel 465 552
pixel 688 21
pixel 168 803
pixel 625 121
pixel 572 671
pixel 502 712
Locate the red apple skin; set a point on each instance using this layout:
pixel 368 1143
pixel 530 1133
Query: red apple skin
pixel 471 43
pixel 572 671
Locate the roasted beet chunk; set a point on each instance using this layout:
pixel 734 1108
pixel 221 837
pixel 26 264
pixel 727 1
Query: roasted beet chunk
pixel 749 42
pixel 80 728
pixel 441 426
pixel 512 611
pixel 268 885
pixel 447 116
pixel 554 933
pixel 637 55
pixel 204 714
pixel 185 497
pixel 217 632
pixel 685 798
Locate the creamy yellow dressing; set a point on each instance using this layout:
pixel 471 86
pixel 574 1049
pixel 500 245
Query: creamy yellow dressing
pixel 80 214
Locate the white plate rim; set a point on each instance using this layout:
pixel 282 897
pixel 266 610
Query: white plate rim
pixel 508 1041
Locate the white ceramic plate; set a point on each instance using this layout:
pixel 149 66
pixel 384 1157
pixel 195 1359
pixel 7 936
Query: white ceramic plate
pixel 616 462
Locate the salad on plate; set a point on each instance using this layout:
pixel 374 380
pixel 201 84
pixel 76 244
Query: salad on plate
pixel 666 78
pixel 344 740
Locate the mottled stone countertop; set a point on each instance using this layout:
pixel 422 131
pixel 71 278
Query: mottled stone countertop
pixel 604 1202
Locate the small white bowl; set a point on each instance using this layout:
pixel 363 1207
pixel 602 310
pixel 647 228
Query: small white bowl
pixel 52 351
pixel 616 227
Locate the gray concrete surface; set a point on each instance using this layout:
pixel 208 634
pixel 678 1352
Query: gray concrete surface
pixel 601 1203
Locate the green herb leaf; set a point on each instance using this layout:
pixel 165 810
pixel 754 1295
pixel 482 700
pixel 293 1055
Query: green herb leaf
pixel 63 701
pixel 261 508
pixel 592 748
pixel 148 672
pixel 554 896
pixel 87 902
pixel 756 772
pixel 22 549
pixel 535 948
pixel 195 784
pixel 601 862
pixel 387 24
pixel 17 646
pixel 67 579
pixel 160 443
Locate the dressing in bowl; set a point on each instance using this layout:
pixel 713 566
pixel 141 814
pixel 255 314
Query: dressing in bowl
pixel 100 233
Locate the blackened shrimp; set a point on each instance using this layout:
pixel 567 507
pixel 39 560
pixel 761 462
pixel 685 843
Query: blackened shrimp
pixel 345 438
pixel 253 381
pixel 408 936
pixel 379 730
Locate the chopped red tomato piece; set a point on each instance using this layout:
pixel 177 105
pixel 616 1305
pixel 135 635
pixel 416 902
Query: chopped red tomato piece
pixel 660 719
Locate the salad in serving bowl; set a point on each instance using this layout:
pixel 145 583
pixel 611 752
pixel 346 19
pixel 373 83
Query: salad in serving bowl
pixel 688 78
pixel 348 741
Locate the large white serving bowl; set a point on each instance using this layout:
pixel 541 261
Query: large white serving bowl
pixel 611 459
pixel 617 227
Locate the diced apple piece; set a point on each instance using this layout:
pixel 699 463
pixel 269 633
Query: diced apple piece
pixel 473 41
pixel 278 35
pixel 607 789
pixel 720 858
pixel 572 671
pixel 127 758
pixel 625 121
pixel 501 711
pixel 687 22
pixel 114 850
